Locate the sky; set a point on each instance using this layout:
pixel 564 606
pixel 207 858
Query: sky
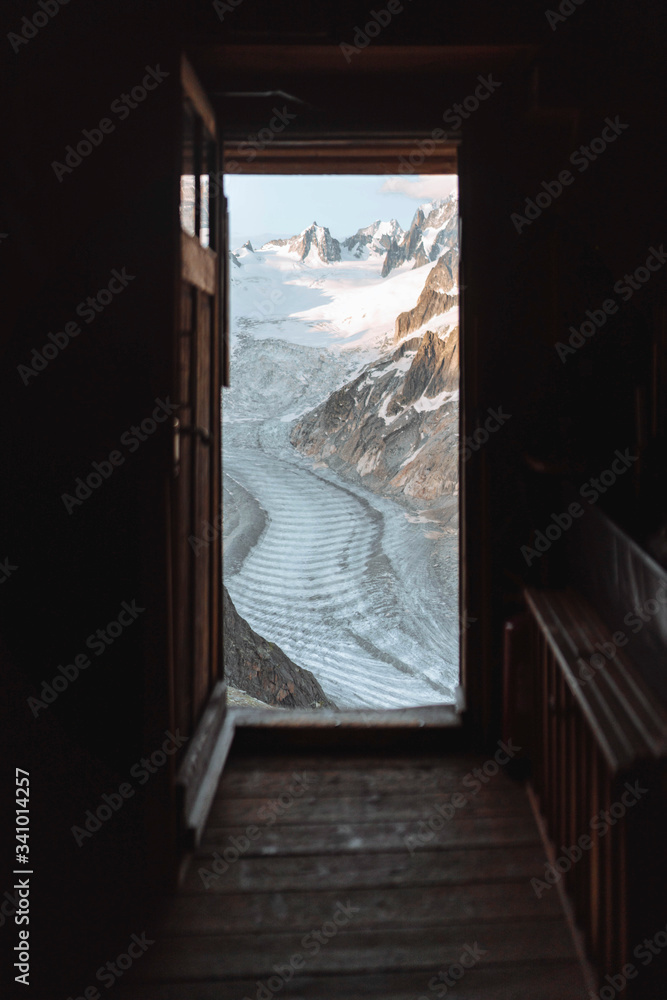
pixel 271 206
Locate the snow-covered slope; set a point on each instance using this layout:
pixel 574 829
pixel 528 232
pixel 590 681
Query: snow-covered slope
pixel 318 291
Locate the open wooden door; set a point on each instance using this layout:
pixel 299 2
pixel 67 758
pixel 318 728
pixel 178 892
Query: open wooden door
pixel 198 692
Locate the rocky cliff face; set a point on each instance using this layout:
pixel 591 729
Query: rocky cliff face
pixel 316 239
pixel 376 238
pixel 434 227
pixel 395 427
pixel 262 670
pixel 439 295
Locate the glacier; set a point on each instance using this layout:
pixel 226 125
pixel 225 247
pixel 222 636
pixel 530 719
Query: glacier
pixel 352 585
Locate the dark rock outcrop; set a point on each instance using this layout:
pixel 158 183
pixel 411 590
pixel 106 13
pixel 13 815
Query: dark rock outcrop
pixel 441 215
pixel 435 369
pixel 383 429
pixel 395 257
pixel 434 298
pixel 368 236
pixel 261 669
pixel 328 248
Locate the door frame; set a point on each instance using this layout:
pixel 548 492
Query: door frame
pixel 197 690
pixel 350 154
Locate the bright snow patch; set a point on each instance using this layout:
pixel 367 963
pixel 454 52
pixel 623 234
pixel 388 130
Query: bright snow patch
pixel 424 404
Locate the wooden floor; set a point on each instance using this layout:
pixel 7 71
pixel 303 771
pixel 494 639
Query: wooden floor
pixel 333 881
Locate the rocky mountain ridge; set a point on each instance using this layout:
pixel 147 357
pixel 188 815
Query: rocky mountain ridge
pixel 433 229
pixel 394 428
pixel 261 669
pixel 377 238
pixel 438 296
pixel 316 239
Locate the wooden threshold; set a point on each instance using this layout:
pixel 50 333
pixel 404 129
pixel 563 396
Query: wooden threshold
pixel 408 731
pixel 425 717
pixel 245 729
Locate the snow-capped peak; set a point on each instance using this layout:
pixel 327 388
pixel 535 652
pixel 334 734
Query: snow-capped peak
pixel 376 238
pixel 433 229
pixel 313 242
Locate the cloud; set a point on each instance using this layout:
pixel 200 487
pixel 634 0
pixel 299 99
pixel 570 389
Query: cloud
pixel 425 187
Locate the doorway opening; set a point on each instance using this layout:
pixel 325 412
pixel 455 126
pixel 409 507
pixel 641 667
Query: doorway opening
pixel 340 441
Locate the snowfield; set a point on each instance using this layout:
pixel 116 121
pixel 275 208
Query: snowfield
pixel 345 303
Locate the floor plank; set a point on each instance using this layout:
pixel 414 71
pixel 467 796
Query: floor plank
pixel 552 981
pixel 335 838
pixel 454 764
pixel 253 781
pixel 356 950
pixel 309 807
pixel 327 871
pixel 431 906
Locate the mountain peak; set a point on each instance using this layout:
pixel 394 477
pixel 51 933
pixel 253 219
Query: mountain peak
pixel 432 230
pixel 377 237
pixel 315 240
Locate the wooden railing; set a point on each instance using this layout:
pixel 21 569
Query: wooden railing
pixel 597 742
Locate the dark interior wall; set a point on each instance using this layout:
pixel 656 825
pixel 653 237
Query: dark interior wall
pixel 525 290
pixel 74 570
pixel 78 561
